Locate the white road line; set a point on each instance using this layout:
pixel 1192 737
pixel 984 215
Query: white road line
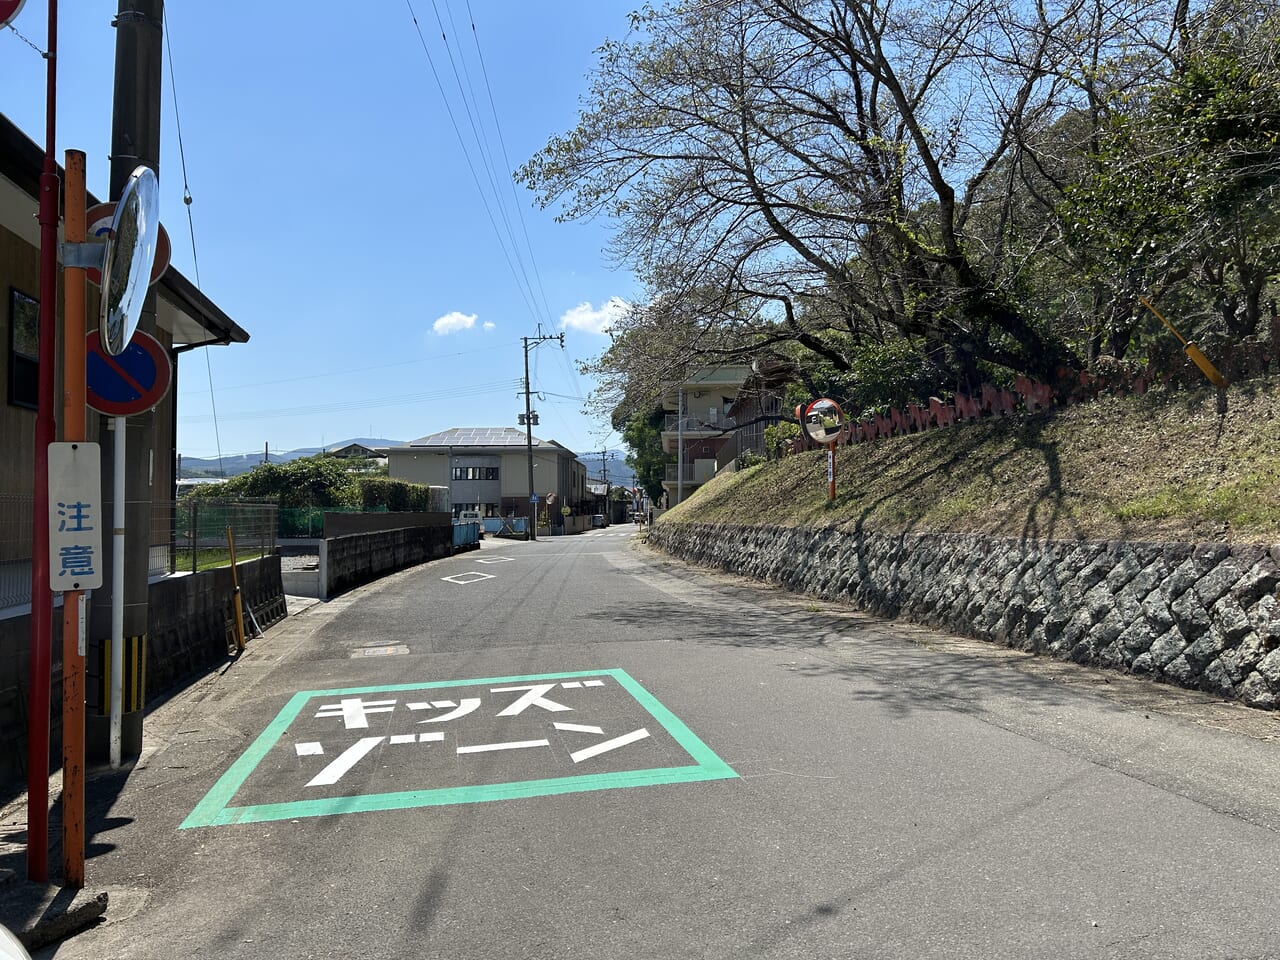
pixel 518 745
pixel 344 762
pixel 471 577
pixel 578 728
pixel 309 749
pixel 403 738
pixel 589 752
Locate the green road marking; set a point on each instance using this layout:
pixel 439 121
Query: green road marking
pixel 215 808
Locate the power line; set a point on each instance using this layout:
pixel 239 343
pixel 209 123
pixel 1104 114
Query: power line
pixel 329 375
pixel 475 390
pixel 506 161
pixel 191 225
pixel 477 131
pixel 467 157
pixel 531 290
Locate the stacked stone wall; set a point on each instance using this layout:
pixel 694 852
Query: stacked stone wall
pixel 1203 616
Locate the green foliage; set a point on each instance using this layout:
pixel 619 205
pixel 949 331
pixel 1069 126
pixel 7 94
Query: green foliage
pixel 1181 193
pixel 643 437
pixel 777 435
pixel 320 482
pixel 383 493
pixel 888 373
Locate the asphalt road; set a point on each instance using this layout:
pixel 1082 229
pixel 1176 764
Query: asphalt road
pixel 575 748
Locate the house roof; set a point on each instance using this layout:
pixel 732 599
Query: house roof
pixel 182 309
pixel 708 380
pixel 486 438
pixel 357 450
pixel 475 437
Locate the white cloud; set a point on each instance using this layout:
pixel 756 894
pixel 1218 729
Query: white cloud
pixel 586 317
pixel 489 325
pixel 453 322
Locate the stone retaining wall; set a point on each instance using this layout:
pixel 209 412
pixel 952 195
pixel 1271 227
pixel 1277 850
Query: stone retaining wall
pixel 1200 615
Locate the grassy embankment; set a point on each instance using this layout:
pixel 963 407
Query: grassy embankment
pixel 1159 467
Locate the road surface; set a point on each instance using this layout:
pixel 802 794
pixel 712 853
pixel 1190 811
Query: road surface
pixel 576 748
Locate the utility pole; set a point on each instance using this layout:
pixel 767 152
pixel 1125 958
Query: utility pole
pixel 135 140
pixel 604 471
pixel 529 419
pixel 680 447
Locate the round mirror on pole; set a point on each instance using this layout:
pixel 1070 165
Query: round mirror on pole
pixel 130 253
pixel 823 421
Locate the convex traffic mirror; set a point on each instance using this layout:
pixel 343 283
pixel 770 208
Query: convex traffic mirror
pixel 130 253
pixel 823 421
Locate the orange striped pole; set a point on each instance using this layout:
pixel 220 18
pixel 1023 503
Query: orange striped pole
pixel 73 428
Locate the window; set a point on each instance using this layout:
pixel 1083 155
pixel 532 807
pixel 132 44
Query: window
pixel 24 349
pixel 475 473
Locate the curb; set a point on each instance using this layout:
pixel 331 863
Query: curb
pixel 39 914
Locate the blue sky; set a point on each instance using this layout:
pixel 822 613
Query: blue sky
pixel 337 217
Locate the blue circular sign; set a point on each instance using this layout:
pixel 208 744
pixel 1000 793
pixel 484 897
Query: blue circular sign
pixel 132 381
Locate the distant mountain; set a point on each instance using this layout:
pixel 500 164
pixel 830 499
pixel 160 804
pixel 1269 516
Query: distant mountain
pixel 232 465
pixel 619 474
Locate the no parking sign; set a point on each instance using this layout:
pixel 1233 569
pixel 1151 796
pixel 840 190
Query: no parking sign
pixel 130 382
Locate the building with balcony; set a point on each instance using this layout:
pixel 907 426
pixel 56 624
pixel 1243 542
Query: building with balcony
pixel 713 418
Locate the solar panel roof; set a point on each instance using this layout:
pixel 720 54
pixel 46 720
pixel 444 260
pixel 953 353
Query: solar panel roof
pixel 475 437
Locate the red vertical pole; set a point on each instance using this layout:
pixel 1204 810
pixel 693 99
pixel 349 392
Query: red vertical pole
pixel 831 470
pixel 41 598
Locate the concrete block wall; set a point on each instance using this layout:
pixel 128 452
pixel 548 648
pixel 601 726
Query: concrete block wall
pixel 360 558
pixel 1202 616
pixel 188 619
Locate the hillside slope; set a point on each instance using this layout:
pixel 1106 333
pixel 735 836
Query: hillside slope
pixel 1154 468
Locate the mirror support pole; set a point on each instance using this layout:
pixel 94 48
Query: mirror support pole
pixel 73 429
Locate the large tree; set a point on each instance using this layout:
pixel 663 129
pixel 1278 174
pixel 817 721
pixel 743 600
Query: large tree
pixel 809 176
pixel 1182 196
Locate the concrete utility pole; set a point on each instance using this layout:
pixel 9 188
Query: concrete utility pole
pixel 680 447
pixel 528 425
pixel 604 472
pixel 135 140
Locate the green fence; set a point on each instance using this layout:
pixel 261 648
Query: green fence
pixel 309 521
pixel 200 532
